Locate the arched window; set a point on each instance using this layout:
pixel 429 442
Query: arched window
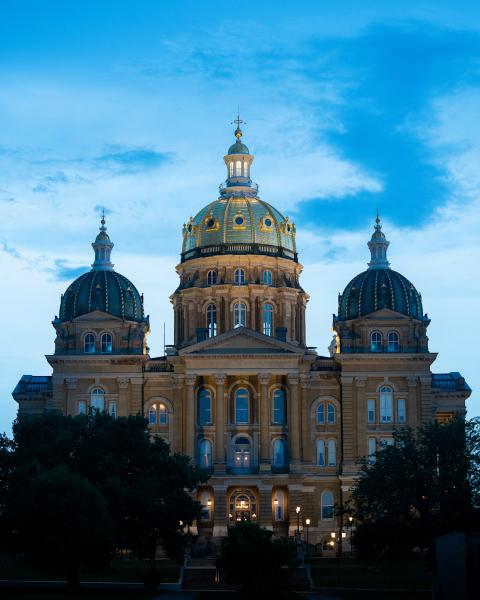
pixel 376 342
pixel 238 168
pixel 321 414
pixel 239 314
pixel 205 454
pixel 206 502
pixel 106 342
pixel 158 414
pixel 321 453
pixel 330 414
pixel 393 342
pixel 239 277
pixel 242 453
pixel 279 406
pixel 242 406
pixel 279 502
pixel 267 277
pixel 211 278
pixel 386 404
pixel 279 458
pixel 212 320
pixel 97 399
pixel 204 407
pixel 327 505
pixel 267 319
pixel 332 455
pixel 89 343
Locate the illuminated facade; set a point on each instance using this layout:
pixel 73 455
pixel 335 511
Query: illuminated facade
pixel 277 425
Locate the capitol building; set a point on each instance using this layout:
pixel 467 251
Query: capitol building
pixel 279 427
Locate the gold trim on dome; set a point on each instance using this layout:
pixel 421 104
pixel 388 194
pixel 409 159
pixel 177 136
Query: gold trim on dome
pixel 264 227
pixel 288 228
pixel 216 223
pixel 189 227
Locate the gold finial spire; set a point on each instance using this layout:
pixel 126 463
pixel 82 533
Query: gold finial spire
pixel 238 121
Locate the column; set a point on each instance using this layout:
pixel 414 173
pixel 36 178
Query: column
pixel 177 438
pixel 360 417
pixel 264 380
pixel 295 417
pixel 189 416
pixel 306 425
pixel 220 422
pixel 347 414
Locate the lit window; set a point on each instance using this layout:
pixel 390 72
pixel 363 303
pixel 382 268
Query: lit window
pixel 240 314
pixel 89 343
pixel 267 319
pixel 321 453
pixel 386 404
pixel 238 168
pixel 330 414
pixel 279 453
pixel 239 277
pixel 162 414
pixel 267 277
pixel 245 169
pixel 112 409
pixel 204 407
pixel 279 412
pixel 158 414
pixel 332 456
pixel 327 505
pixel 371 411
pixel 393 342
pixel 376 342
pixel 241 406
pixel 82 407
pixel 212 320
pixel 97 399
pixel 279 505
pixel 205 454
pixel 152 415
pixel 231 169
pixel 242 453
pixel 401 411
pixel 321 414
pixel 106 342
pixel 372 448
pixel 211 278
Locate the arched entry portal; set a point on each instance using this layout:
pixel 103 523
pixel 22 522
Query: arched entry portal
pixel 242 506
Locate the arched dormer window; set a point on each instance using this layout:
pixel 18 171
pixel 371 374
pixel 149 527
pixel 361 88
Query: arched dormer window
pixel 267 319
pixel 158 414
pixel 386 404
pixel 204 407
pixel 327 505
pixel 97 399
pixel 212 320
pixel 242 406
pixel 279 453
pixel 393 342
pixel 267 278
pixel 239 277
pixel 89 343
pixel 205 454
pixel 211 278
pixel 279 407
pixel 239 314
pixel 376 342
pixel 106 342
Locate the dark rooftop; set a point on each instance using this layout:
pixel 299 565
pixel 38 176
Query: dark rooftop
pixel 450 381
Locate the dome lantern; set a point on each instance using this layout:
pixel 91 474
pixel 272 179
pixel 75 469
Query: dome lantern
pixel 102 247
pixel 378 246
pixel 238 160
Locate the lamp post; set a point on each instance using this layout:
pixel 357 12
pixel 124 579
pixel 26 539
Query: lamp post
pixel 307 526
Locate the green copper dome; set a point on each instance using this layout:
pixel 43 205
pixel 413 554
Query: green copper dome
pixel 379 287
pixel 238 222
pixel 102 288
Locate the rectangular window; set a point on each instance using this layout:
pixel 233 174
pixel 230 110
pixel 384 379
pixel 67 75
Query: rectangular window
pixel 402 417
pixel 112 408
pixel 371 411
pixel 386 441
pixel 386 408
pixel 82 407
pixel 372 447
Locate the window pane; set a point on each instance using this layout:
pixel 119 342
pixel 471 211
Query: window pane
pixel 401 411
pixel 267 319
pixel 89 343
pixel 239 277
pixel 82 407
pixel 204 407
pixel 279 407
pixel 211 278
pixel 241 406
pixel 393 342
pixel 327 505
pixel 321 453
pixel 386 405
pixel 321 414
pixel 212 320
pixel 279 453
pixel 106 342
pixel 152 415
pixel 238 168
pixel 332 459
pixel 97 399
pixel 112 409
pixel 162 414
pixel 240 316
pixel 331 413
pixel 376 342
pixel 371 411
pixel 267 277
pixel 205 454
pixel 372 446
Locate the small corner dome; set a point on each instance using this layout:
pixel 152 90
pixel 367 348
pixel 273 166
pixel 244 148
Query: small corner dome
pixel 379 286
pixel 102 288
pixel 238 148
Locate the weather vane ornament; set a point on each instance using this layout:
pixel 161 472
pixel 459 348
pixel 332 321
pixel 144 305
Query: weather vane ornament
pixel 238 121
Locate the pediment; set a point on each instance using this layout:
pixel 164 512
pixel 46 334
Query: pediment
pixel 386 313
pixel 242 341
pixel 96 315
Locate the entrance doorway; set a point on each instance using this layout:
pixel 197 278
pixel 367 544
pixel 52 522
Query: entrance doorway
pixel 243 506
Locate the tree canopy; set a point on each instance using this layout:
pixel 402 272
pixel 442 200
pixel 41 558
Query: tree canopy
pixel 424 485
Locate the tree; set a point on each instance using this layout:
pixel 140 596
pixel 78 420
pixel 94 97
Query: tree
pixel 424 485
pixel 250 558
pixel 145 488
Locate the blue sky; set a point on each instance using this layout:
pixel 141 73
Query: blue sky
pixel 349 106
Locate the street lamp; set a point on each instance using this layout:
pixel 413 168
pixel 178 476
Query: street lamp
pixel 297 510
pixel 307 525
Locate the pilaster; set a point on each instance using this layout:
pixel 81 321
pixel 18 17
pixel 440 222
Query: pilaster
pixel 264 380
pixel 295 419
pixel 189 416
pixel 220 379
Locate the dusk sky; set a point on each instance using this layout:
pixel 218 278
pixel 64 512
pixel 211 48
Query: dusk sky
pixel 349 107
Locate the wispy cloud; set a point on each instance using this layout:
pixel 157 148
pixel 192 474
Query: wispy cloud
pixel 64 271
pixel 133 160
